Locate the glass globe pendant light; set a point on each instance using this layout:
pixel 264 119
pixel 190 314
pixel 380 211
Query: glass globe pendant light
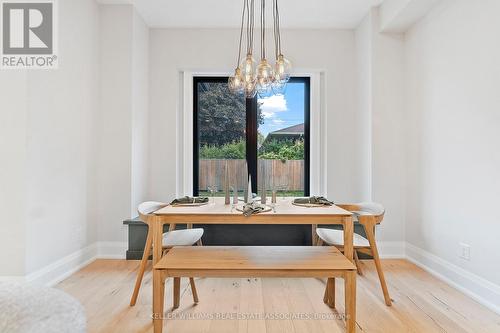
pixel 249 65
pixel 236 82
pixel 244 78
pixel 248 69
pixel 265 75
pixel 248 78
pixel 282 69
pixel 249 89
pixel 278 87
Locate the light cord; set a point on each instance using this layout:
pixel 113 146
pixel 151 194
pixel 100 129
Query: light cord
pixel 252 23
pixel 262 29
pixel 278 26
pixel 275 30
pixel 248 26
pixel 241 33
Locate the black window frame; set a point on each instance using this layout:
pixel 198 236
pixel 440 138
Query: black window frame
pixel 251 131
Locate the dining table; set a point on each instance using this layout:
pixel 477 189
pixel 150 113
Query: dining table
pixel 283 212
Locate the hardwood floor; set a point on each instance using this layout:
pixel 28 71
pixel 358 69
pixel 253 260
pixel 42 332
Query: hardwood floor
pixel 422 303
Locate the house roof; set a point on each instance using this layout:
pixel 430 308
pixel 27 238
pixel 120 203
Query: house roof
pixel 295 129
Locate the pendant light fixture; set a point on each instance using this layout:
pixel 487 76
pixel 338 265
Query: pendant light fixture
pixel 248 78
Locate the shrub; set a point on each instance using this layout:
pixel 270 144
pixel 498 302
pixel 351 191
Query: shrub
pixel 272 150
pixel 233 150
pixel 282 150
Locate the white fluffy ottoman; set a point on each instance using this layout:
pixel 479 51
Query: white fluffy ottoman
pixel 35 309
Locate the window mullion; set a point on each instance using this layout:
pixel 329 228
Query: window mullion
pixel 251 139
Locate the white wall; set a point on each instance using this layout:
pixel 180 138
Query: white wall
pixel 452 73
pixel 76 143
pixel 379 65
pixel 397 16
pixel 123 119
pixel 387 121
pixel 115 121
pixel 48 128
pixel 140 112
pixel 13 172
pixel 364 71
pixel 214 50
pixel 61 108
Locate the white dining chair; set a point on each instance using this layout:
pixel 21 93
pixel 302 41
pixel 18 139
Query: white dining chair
pixel 368 214
pixel 172 238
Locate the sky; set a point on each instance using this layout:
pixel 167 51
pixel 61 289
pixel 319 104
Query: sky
pixel 282 111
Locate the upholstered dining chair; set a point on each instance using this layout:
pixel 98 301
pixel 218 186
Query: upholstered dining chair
pixel 369 214
pixel 171 238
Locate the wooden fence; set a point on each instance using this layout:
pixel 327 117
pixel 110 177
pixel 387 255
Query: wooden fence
pixel 283 173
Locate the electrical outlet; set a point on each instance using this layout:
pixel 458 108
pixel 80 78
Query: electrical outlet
pixel 465 251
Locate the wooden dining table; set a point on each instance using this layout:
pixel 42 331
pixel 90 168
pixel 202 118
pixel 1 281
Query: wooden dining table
pixel 284 212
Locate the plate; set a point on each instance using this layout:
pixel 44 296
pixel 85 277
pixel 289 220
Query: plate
pixel 267 208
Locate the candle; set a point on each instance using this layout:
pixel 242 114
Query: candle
pixel 249 198
pixel 227 199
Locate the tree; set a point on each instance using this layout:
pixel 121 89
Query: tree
pixel 221 115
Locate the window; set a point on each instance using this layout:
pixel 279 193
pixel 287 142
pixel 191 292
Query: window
pixel 266 137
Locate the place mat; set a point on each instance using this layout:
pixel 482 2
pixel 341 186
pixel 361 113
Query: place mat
pixel 314 201
pixel 188 201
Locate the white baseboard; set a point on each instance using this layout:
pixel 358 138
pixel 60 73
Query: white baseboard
pixel 59 270
pixel 64 267
pixel 111 250
pixel 477 288
pixel 391 250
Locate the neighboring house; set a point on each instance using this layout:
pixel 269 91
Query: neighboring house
pixel 291 133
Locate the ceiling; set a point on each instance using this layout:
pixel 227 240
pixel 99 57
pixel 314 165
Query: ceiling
pixel 340 14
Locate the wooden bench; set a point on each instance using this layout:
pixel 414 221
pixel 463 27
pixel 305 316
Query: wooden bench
pixel 255 261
